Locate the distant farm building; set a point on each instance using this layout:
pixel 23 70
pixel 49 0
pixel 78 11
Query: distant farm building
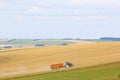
pixel 64 44
pixel 36 39
pixel 7 47
pixel 37 45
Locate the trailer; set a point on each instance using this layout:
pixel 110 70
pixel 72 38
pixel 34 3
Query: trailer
pixel 56 66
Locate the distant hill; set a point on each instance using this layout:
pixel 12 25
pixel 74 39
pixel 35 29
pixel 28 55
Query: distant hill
pixel 32 42
pixel 109 39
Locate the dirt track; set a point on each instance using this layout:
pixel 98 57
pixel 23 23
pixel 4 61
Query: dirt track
pixel 20 61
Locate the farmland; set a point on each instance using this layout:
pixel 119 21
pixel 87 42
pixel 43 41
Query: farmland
pixel 31 42
pixel 102 72
pixel 39 59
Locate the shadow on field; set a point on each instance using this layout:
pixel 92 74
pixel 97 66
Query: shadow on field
pixel 4 59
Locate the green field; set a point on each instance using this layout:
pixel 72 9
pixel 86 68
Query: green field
pixel 30 42
pixel 103 72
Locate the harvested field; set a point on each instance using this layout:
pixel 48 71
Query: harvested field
pixel 102 72
pixel 80 41
pixel 30 60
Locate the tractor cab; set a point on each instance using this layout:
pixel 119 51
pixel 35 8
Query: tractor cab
pixel 68 64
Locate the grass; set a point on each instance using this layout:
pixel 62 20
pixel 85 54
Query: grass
pixel 30 42
pixel 104 72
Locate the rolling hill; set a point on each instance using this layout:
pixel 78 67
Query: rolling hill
pixel 32 60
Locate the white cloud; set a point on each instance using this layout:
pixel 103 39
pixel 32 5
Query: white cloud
pixel 40 10
pixel 69 2
pixel 98 17
pixel 6 4
pixel 89 2
pixel 45 7
pixel 61 11
pixel 61 18
pixel 2 4
pixel 82 2
pixel 33 9
pixel 57 17
pixel 20 18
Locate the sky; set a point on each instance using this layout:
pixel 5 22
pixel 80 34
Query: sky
pixel 85 19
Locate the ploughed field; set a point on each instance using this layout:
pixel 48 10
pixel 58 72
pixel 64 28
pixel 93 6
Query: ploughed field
pixel 39 59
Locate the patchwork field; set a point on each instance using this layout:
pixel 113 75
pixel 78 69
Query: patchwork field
pixel 39 59
pixel 31 42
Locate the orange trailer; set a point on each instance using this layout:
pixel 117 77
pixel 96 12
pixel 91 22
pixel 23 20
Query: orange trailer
pixel 55 66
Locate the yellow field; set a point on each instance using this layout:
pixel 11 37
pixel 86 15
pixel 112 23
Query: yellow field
pixel 39 59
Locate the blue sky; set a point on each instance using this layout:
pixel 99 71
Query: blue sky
pixel 59 18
